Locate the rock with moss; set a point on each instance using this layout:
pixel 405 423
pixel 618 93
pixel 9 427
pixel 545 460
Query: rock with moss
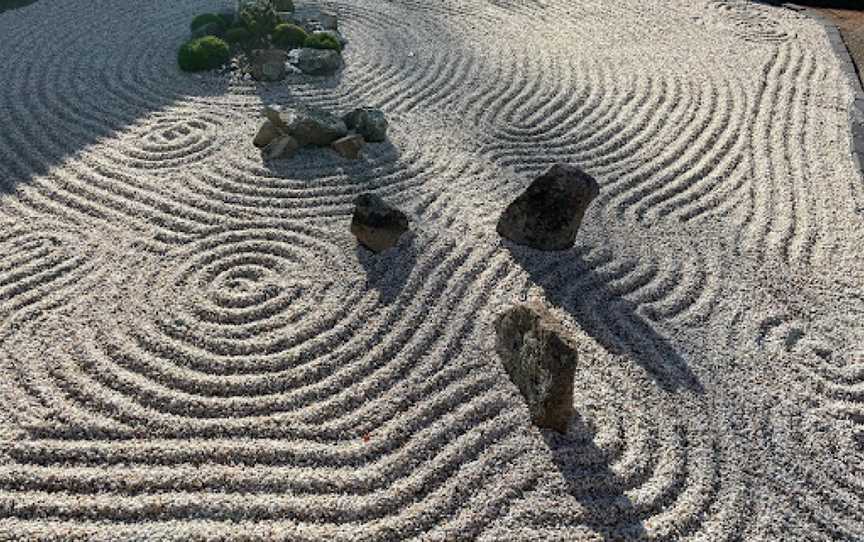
pixel 368 122
pixel 540 359
pixel 201 54
pixel 317 61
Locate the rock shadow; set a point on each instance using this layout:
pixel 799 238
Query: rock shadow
pixel 389 271
pixel 585 469
pixel 609 318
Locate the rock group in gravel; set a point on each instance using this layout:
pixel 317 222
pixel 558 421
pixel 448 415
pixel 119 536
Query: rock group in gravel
pixel 289 129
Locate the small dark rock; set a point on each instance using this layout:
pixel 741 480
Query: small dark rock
pixel 540 361
pixel 376 224
pixel 368 122
pixel 548 214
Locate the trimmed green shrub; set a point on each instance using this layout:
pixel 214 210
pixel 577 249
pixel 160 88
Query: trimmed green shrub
pixel 289 35
pixel 260 18
pixel 237 35
pixel 322 41
pixel 204 53
pixel 206 18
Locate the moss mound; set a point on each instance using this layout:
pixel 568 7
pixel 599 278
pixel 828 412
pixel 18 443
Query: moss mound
pixel 322 41
pixel 289 36
pixel 202 54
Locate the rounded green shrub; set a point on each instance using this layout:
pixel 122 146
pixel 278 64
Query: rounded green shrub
pixel 207 18
pixel 237 35
pixel 289 35
pixel 322 41
pixel 204 53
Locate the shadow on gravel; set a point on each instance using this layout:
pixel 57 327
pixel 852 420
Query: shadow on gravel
pixel 585 469
pixel 389 271
pixel 610 319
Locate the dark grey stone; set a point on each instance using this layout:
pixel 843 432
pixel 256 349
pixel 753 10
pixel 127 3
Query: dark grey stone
pixel 376 224
pixel 548 214
pixel 368 122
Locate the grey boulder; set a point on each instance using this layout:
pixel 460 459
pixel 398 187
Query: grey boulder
pixel 269 64
pixel 540 361
pixel 308 125
pixel 267 133
pixel 317 61
pixel 548 214
pixel 377 225
pixel 368 122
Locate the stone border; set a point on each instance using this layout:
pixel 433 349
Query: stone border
pixel 856 115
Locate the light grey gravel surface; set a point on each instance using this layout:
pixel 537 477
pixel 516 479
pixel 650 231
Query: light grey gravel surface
pixel 193 347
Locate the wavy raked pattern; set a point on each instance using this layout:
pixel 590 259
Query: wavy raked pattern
pixel 193 347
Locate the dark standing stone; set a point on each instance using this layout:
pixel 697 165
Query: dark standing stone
pixel 376 224
pixel 539 361
pixel 548 214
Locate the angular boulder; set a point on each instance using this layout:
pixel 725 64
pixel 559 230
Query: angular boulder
pixel 377 225
pixel 281 147
pixel 349 146
pixel 548 214
pixel 540 361
pixel 269 64
pixel 317 61
pixel 368 122
pixel 308 125
pixel 266 134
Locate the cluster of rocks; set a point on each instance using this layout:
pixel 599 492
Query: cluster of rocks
pixel 287 130
pixel 274 64
pixel 535 349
